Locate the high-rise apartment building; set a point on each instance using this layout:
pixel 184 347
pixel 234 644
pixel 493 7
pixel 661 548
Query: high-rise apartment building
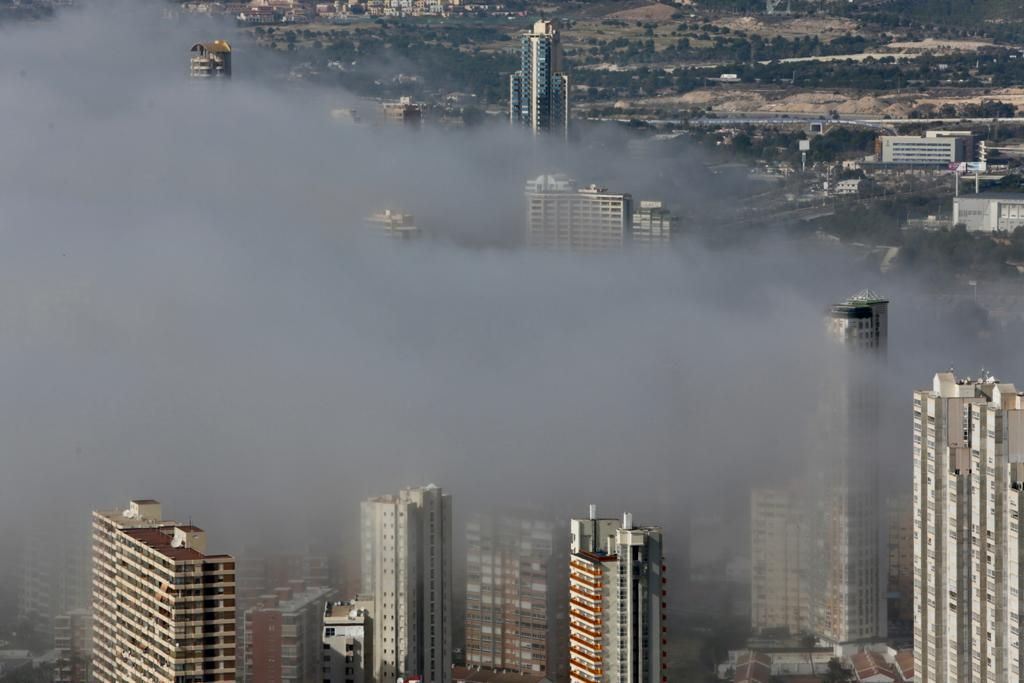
pixel 55 573
pixel 968 497
pixel 163 609
pixel 617 599
pixel 282 641
pixel 407 568
pixel 347 641
pixel 73 640
pixel 778 588
pixel 539 91
pixel 508 605
pixel 562 216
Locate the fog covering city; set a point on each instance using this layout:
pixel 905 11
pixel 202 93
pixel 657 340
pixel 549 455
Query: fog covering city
pixel 194 311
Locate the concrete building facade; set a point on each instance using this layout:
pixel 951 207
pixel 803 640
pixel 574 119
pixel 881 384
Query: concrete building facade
pixel 73 640
pixel 163 609
pixel 281 635
pixel 968 496
pixel 562 216
pixel 348 641
pixel 508 604
pixel 931 149
pixel 539 90
pixel 55 574
pixel 900 541
pixel 407 568
pixel 617 601
pixel 778 586
pixel 989 211
pixel 653 223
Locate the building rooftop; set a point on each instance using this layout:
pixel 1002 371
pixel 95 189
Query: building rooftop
pixel 905 663
pixel 1016 196
pixel 216 46
pixel 462 674
pixel 866 296
pixel 753 667
pixel 872 665
pixel 298 597
pixel 159 539
pixel 596 557
pixel 348 611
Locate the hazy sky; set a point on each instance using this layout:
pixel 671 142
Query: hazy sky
pixel 192 310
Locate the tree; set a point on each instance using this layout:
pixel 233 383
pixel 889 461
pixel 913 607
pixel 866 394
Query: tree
pixel 836 673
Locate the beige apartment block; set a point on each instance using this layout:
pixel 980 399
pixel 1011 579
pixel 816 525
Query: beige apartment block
pixel 968 488
pixel 407 568
pixel 163 608
pixel 562 216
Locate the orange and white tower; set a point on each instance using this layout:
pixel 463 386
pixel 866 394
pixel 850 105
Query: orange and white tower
pixel 616 602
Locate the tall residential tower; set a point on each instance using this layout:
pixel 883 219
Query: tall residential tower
pixel 616 602
pixel 539 91
pixel 815 543
pixel 407 568
pixel 848 600
pixel 968 498
pixel 509 609
pixel 163 609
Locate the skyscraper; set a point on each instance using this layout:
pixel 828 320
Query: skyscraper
pixel 968 498
pixel 508 606
pixel 163 609
pixel 539 91
pixel 815 544
pixel 407 568
pixel 617 600
pixel 848 601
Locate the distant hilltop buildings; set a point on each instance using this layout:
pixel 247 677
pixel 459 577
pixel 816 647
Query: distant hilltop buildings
pixel 294 11
pixel 210 60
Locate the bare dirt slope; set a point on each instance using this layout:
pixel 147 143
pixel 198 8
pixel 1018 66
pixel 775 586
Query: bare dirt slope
pixel 654 12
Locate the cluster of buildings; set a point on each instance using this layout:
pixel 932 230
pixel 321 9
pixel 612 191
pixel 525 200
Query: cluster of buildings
pixel 954 548
pixel 561 215
pixel 298 12
pixel 541 604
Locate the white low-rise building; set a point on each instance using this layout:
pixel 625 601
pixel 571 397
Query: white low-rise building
pixel 989 211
